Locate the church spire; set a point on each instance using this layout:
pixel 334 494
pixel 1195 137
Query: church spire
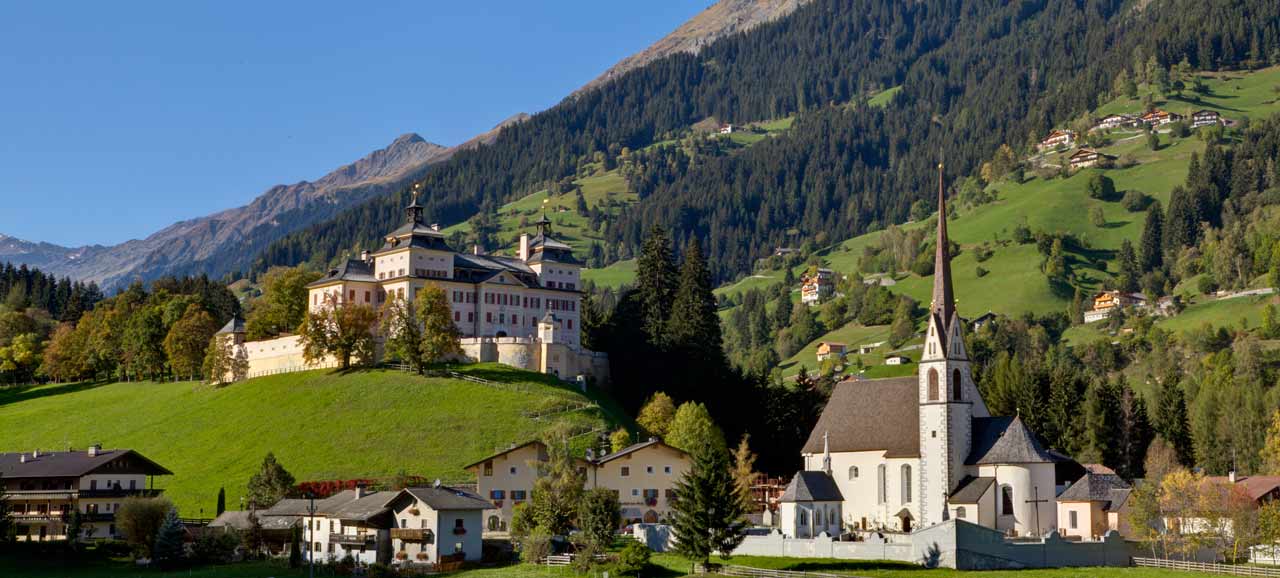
pixel 943 298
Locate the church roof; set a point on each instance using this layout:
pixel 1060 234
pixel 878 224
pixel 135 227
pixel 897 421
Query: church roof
pixel 1007 440
pixel 971 489
pixel 812 487
pixel 1108 488
pixel 236 325
pixel 871 415
pixel 349 270
pixel 944 303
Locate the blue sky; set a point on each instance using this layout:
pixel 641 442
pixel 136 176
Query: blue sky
pixel 119 118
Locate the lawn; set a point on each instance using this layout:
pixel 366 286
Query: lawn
pixel 320 424
pixel 615 275
pixel 1233 94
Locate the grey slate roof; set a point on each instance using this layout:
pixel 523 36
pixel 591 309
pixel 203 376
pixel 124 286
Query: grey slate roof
pixel 349 270
pixel 364 508
pixel 971 490
pixel 236 325
pixel 869 415
pixel 1096 488
pixel 1007 440
pixel 73 464
pixel 288 507
pixel 808 486
pixel 446 498
pixel 239 520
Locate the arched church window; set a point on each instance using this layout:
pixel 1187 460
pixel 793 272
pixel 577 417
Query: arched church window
pixel 804 517
pixel 906 484
pixel 1006 500
pixel 955 385
pixel 933 384
pixel 853 472
pixel 832 518
pixel 882 484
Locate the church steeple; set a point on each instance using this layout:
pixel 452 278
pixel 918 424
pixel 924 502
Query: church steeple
pixel 944 305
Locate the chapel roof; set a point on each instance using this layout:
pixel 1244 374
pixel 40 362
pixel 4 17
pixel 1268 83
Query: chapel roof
pixel 809 486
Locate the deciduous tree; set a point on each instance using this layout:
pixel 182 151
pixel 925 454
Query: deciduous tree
pixel 657 414
pixel 439 333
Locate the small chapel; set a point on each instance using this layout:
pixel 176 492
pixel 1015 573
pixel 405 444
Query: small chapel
pixel 904 453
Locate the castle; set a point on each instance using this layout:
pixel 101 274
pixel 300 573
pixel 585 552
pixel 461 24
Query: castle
pixel 899 454
pixel 523 311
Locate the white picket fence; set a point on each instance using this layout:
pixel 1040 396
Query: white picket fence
pixel 748 572
pixel 1227 569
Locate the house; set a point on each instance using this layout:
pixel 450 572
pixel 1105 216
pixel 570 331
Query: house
pixel 1094 505
pixel 817 286
pixel 982 320
pixel 913 452
pixel 1087 158
pixel 1056 139
pixel 784 251
pixel 726 128
pixel 1204 117
pixel 43 488
pixel 866 348
pixel 1107 303
pixel 352 523
pixel 1115 121
pixel 811 506
pixel 437 524
pixel 1256 490
pixel 897 360
pixel 643 475
pixel 277 531
pixel 831 349
pixel 496 302
pixel 1160 118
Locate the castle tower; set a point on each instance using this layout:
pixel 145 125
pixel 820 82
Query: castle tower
pixel 413 212
pixel 949 399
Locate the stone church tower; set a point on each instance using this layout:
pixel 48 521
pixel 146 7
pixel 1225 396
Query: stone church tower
pixel 949 399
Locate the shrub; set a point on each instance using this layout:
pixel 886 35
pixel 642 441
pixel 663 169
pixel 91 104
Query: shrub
pixel 139 519
pixel 1022 234
pixel 1135 201
pixel 633 559
pixel 535 546
pixel 981 272
pixel 1101 187
pixel 1207 284
pixel 1126 160
pixel 983 253
pixel 214 547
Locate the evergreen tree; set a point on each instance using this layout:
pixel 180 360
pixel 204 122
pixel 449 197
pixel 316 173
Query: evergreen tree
pixel 1171 419
pixel 295 547
pixel 1151 246
pixel 1101 425
pixel 1135 434
pixel 782 309
pixel 1182 224
pixel 222 502
pixel 904 323
pixel 657 283
pixel 693 330
pixel 1130 273
pixel 599 516
pixel 270 484
pixel 170 550
pixel 707 511
pixel 558 490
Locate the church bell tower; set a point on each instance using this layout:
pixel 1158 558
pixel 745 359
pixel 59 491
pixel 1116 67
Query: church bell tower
pixel 949 399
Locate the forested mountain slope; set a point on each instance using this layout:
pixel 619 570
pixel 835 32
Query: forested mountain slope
pixel 974 75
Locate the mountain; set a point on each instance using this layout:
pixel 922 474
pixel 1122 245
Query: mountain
pixel 720 19
pixel 224 241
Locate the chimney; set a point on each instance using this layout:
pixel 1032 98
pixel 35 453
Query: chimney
pixel 361 491
pixel 1231 476
pixel 35 454
pixel 435 226
pixel 364 255
pixel 22 458
pixel 94 449
pixel 476 250
pixel 524 246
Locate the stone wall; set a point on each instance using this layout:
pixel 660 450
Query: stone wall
pixel 952 544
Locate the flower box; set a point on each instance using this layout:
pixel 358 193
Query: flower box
pixel 402 555
pixel 422 556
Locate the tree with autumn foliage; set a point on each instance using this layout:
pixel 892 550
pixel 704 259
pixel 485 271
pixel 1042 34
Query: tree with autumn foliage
pixel 341 330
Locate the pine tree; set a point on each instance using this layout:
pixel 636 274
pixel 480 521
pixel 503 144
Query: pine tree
pixel 1135 433
pixel 694 324
pixel 169 548
pixel 657 282
pixel 707 511
pixel 744 462
pixel 904 323
pixel 1130 274
pixel 1182 223
pixel 1171 419
pixel 1101 426
pixel 1152 244
pixel 270 484
pixel 222 501
pixel 295 547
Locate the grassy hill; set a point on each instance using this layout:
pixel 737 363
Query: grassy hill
pixel 320 424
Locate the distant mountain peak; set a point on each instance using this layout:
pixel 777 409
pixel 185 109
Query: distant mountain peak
pixel 407 138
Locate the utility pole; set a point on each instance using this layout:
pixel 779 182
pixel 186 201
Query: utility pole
pixel 311 522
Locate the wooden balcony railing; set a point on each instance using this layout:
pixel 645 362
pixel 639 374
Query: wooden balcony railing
pixel 352 539
pixel 412 535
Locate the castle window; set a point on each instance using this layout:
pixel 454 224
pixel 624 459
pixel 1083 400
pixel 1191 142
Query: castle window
pixel 906 484
pixel 956 389
pixel 933 384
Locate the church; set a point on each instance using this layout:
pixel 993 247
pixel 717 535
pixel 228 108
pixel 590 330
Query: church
pixel 904 453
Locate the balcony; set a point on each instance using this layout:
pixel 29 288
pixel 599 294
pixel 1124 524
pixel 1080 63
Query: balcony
pixel 413 535
pixel 27 517
pixel 119 493
pixel 357 540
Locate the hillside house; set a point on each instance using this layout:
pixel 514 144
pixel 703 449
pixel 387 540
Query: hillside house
pixel 352 523
pixel 437 525
pixel 1258 490
pixel 830 349
pixel 498 303
pixel 866 348
pixel 817 286
pixel 897 360
pixel 1057 139
pixel 1114 121
pixel 1204 117
pixel 43 488
pixel 643 475
pixel 1087 158
pixel 982 320
pixel 1160 118
pixel 1094 505
pixel 726 128
pixel 1107 303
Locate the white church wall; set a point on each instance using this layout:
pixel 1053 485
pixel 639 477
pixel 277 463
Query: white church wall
pixel 861 494
pixel 1028 483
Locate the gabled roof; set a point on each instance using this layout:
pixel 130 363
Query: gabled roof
pixel 971 490
pixel 364 508
pixel 348 270
pixel 236 325
pixel 239 520
pixel 809 486
pixel 1094 488
pixel 870 415
pixel 1005 440
pixel 541 448
pixel 289 507
pixel 72 464
pixel 633 448
pixel 444 498
pixel 1256 486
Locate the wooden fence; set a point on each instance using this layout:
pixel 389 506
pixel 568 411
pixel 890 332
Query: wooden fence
pixel 749 572
pixel 1228 569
